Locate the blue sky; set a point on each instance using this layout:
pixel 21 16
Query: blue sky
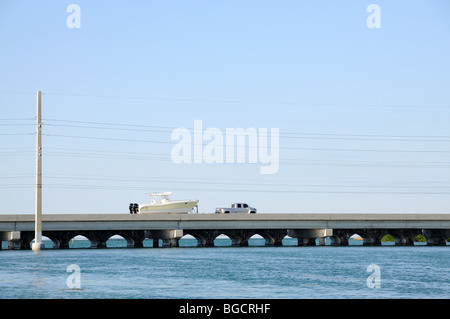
pixel 363 113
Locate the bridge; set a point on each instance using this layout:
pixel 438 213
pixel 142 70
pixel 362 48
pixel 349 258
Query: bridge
pixel 18 230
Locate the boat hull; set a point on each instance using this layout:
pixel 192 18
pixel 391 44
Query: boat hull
pixel 178 207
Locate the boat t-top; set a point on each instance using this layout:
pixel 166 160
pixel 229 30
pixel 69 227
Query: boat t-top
pixel 160 203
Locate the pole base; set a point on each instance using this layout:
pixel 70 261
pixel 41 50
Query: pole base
pixel 37 246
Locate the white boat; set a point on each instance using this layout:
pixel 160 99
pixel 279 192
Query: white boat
pixel 160 203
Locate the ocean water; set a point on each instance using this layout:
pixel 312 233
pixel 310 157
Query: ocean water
pixel 287 272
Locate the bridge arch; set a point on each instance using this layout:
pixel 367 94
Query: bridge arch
pixel 204 237
pixel 223 240
pixel 272 237
pixel 133 238
pixel 64 239
pixel 78 241
pixel 119 241
pixel 49 241
pixel 370 237
pixel 401 236
pixel 257 240
pixel 374 236
pixel 188 241
pixel 346 237
pixel 289 241
pixel 393 237
pixel 93 238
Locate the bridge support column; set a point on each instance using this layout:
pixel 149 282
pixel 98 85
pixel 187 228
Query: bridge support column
pixel 14 244
pixel 97 238
pixel 98 243
pixel 269 241
pixel 170 242
pixel 371 241
pixel 169 237
pixel 340 237
pixel 307 237
pixel 63 245
pixel 13 239
pixel 239 237
pixel 23 241
pixel 137 244
pixel 60 239
pixel 436 237
pixel 135 238
pixel 273 237
pixel 204 242
pixel 238 242
pixel 306 241
pixel 204 237
pixel 409 235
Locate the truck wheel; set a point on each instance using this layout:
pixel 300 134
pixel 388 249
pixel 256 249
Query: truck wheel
pixel 252 212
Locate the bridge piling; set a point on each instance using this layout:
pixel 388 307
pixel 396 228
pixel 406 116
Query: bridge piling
pixel 170 242
pixel 436 237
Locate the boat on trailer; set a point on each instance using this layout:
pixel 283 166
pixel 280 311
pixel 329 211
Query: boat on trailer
pixel 161 203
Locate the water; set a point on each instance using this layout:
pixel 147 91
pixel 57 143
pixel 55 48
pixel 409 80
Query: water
pixel 227 272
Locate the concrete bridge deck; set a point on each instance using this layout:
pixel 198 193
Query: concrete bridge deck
pixel 223 221
pixel 18 229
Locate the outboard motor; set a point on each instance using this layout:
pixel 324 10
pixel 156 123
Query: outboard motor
pixel 131 207
pixel 136 208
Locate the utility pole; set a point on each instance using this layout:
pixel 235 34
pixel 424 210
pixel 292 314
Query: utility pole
pixel 38 244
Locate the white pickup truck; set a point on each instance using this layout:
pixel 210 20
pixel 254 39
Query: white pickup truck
pixel 241 208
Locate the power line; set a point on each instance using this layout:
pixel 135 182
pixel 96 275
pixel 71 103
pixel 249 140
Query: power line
pixel 290 191
pixel 240 183
pixel 208 179
pixel 108 138
pixel 107 123
pixel 301 135
pixel 281 147
pixel 108 128
pixel 296 162
pixel 402 138
pixel 221 182
pixel 233 101
pixel 67 152
pixel 292 188
pixel 283 135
